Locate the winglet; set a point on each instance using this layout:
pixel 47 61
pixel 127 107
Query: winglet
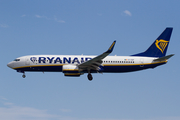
pixel 111 47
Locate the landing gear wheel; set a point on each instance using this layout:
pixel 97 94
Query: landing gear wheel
pixel 90 76
pixel 23 76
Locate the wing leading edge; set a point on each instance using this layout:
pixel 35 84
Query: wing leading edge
pixel 94 63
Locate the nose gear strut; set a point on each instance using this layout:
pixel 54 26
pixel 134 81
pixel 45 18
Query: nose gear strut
pixel 23 75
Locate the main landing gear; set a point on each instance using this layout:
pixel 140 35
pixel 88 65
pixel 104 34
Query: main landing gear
pixel 89 76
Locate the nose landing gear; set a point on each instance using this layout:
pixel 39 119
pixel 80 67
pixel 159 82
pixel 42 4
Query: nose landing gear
pixel 23 75
pixel 22 72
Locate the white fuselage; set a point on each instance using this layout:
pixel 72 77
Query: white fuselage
pixel 55 62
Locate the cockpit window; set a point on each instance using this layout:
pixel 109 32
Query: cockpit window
pixel 17 60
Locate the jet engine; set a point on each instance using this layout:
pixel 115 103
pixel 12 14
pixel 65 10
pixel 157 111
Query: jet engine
pixel 71 70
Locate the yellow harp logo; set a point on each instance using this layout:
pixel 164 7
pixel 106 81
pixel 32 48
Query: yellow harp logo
pixel 161 44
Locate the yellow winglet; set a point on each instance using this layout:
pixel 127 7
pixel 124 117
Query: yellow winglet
pixel 111 47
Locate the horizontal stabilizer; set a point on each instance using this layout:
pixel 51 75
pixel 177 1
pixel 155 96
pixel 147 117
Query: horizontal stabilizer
pixel 164 58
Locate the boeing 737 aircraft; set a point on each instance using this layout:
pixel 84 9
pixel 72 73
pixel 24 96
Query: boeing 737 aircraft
pixel 76 65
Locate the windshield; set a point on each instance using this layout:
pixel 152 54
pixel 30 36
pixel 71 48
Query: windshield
pixel 17 60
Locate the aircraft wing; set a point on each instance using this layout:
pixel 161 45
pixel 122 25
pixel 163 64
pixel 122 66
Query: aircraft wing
pixel 94 63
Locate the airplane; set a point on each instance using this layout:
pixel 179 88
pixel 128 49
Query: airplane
pixel 77 65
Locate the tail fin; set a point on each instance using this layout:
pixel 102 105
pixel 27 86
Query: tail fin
pixel 160 45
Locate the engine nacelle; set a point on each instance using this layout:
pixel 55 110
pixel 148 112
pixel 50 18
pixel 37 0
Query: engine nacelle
pixel 71 70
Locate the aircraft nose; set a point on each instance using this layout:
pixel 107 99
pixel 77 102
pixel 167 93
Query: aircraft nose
pixel 10 64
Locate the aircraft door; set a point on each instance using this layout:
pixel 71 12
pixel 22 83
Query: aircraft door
pixel 27 62
pixel 141 62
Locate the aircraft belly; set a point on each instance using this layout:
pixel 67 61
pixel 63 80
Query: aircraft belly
pixel 42 68
pixel 121 68
pixel 129 68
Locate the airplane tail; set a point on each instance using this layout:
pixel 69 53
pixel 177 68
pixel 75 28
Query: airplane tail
pixel 160 45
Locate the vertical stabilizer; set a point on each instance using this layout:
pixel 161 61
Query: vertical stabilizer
pixel 160 45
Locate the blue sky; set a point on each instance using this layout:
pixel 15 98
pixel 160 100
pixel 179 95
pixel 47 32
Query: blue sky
pixel 88 27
